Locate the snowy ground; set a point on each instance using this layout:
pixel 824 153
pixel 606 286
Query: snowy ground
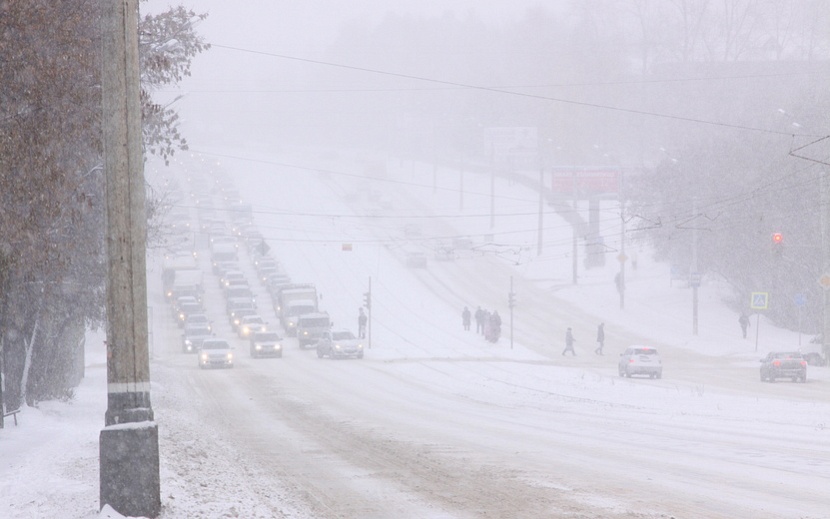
pixel 435 422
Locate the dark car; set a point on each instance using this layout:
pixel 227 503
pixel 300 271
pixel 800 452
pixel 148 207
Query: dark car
pixel 814 358
pixel 784 364
pixel 193 336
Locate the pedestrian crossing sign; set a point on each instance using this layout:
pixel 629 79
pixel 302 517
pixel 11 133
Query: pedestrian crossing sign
pixel 759 301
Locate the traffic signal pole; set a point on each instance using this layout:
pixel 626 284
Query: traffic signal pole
pixel 367 301
pixel 129 451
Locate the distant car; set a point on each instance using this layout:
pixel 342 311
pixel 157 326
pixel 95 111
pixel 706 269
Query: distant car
pixel 198 319
pixel 339 344
pixel 784 364
pixel 250 324
pixel 185 306
pixel 215 353
pixel 814 359
pixel 640 360
pixel 416 260
pixel 266 344
pixel 194 335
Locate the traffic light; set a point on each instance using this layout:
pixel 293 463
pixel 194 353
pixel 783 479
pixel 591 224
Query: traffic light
pixel 511 299
pixel 777 243
pixel 367 299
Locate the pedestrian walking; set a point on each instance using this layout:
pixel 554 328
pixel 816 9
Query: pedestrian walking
pixel 569 343
pixel 744 322
pixel 479 315
pixel 600 339
pixel 465 318
pixel 361 324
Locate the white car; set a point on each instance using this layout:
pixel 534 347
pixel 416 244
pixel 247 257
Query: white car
pixel 339 344
pixel 250 324
pixel 266 344
pixel 640 360
pixel 215 353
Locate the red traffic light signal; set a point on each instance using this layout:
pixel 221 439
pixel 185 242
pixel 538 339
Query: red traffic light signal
pixel 777 238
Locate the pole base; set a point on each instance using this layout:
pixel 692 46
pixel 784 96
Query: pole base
pixel 129 469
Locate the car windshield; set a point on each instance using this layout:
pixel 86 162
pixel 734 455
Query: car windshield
pixel 787 355
pixel 318 322
pixel 342 336
pixel 267 337
pixel 215 345
pixel 301 309
pixel 644 351
pixel 252 319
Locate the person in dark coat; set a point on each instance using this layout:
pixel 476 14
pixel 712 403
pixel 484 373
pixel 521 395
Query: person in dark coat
pixel 361 324
pixel 744 322
pixel 494 326
pixel 600 339
pixel 479 315
pixel 465 318
pixel 569 343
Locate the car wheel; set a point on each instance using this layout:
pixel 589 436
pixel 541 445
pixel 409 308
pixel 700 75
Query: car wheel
pixel 359 355
pixel 763 378
pixel 627 373
pixel 660 375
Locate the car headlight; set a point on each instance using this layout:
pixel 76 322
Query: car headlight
pixel 204 357
pixel 188 343
pixel 360 346
pixel 305 333
pixel 230 357
pixel 336 346
pixel 278 346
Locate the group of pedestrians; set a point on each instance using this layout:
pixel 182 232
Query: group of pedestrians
pixel 487 323
pixel 569 341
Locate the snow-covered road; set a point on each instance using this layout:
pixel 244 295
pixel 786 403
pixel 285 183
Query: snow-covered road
pixel 436 422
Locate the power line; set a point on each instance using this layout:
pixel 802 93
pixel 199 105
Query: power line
pixel 507 92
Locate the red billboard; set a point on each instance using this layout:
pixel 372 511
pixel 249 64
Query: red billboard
pixel 585 181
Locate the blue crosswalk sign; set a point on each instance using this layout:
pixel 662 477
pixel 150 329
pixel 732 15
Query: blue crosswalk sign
pixel 759 301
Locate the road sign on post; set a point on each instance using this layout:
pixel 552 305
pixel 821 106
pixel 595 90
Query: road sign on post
pixel 758 301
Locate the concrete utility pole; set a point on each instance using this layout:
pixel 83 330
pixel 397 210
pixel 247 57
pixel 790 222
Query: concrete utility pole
pixel 825 254
pixel 129 452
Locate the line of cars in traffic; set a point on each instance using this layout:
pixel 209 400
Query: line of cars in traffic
pixel 296 306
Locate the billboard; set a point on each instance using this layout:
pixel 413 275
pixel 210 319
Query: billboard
pixel 585 181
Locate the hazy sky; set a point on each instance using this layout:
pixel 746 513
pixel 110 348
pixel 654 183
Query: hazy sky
pixel 312 24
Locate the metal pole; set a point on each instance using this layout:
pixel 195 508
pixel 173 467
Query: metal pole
pixel 695 277
pixel 575 246
pixel 541 209
pixel 622 257
pixel 757 327
pixel 825 254
pixel 512 304
pixel 461 187
pixel 369 316
pixel 129 456
pixel 493 198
